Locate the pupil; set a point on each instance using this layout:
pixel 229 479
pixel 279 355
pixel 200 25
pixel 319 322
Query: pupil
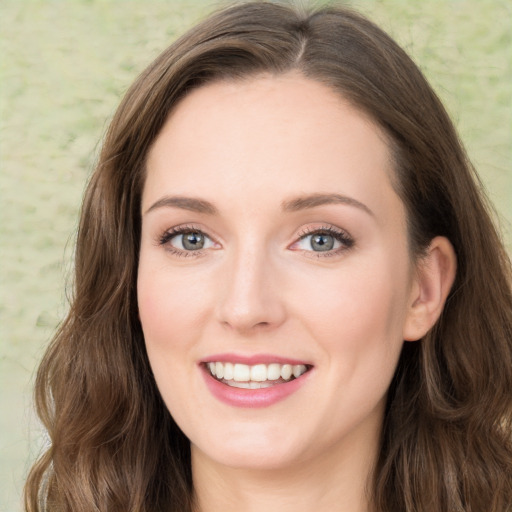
pixel 193 241
pixel 322 242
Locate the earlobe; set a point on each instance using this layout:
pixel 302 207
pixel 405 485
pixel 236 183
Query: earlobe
pixel 435 274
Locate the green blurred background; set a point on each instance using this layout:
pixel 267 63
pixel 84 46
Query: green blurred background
pixel 64 67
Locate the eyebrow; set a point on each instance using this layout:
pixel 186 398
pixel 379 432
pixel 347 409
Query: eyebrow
pixel 314 200
pixel 300 203
pixel 185 203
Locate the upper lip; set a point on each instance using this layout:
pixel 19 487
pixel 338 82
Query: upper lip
pixel 252 360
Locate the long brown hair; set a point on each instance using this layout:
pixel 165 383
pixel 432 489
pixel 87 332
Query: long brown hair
pixel 447 437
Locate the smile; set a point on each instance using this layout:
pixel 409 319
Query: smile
pixel 257 376
pixel 268 380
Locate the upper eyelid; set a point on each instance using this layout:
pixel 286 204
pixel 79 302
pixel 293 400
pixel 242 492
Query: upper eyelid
pixel 330 229
pixel 308 230
pixel 185 228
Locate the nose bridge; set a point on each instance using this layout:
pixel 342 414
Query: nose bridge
pixel 251 298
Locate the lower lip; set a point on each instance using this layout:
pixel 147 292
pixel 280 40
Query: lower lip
pixel 252 398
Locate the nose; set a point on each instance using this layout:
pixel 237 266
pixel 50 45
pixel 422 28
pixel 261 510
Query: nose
pixel 252 298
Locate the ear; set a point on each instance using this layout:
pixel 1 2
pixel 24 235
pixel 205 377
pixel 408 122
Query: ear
pixel 435 273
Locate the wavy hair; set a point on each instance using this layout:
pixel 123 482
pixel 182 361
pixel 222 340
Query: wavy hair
pixel 446 442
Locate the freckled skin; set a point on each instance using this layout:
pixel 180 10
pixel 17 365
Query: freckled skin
pixel 259 288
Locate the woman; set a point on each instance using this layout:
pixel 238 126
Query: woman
pixel 288 289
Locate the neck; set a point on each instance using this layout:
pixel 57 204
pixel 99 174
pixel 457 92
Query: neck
pixel 337 482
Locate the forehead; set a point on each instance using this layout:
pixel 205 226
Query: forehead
pixel 275 101
pixel 285 133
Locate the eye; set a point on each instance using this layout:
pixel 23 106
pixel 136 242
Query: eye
pixel 318 242
pixel 192 241
pixel 324 240
pixel 185 239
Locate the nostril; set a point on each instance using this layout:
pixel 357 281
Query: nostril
pixel 242 325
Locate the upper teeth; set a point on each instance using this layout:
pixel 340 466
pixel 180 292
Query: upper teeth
pixel 257 373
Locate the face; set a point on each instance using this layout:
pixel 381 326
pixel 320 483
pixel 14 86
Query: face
pixel 274 279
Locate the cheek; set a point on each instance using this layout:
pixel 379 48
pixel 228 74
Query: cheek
pixel 366 297
pixel 169 309
pixel 155 306
pixel 358 315
pixel 171 305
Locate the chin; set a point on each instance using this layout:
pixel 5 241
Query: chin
pixel 257 452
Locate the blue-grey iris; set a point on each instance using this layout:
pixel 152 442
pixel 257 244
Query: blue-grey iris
pixel 322 242
pixel 193 241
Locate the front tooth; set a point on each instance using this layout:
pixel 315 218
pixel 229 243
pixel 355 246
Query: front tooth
pixel 298 370
pixel 219 370
pixel 228 371
pixel 259 372
pixel 286 371
pixel 274 371
pixel 241 373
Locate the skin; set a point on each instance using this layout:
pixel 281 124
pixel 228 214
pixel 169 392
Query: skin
pixel 250 148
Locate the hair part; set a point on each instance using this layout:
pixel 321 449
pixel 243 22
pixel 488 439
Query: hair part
pixel 447 438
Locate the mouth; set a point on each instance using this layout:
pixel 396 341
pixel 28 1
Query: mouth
pixel 258 376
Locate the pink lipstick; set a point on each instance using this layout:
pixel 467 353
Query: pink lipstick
pixel 253 381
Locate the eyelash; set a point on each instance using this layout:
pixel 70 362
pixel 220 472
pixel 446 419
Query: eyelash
pixel 339 235
pixel 167 236
pixel 346 241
